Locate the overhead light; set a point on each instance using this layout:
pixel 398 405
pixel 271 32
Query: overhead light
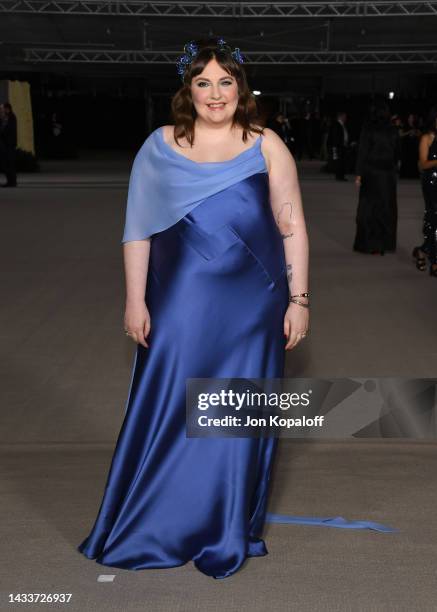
pixel 391 95
pixel 256 92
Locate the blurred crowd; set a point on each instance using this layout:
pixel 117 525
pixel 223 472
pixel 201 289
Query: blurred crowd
pixel 384 147
pixel 329 138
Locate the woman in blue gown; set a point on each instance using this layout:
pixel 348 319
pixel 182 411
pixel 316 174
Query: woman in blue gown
pixel 209 242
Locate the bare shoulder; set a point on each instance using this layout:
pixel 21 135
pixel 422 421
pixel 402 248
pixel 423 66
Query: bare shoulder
pixel 427 138
pixel 167 132
pixel 274 143
pixel 275 150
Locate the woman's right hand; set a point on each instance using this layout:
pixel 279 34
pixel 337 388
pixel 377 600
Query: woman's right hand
pixel 137 322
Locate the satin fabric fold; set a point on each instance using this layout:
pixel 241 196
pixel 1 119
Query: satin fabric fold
pixel 337 521
pixel 164 185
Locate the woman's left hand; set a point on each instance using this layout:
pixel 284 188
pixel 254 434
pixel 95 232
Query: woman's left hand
pixel 296 322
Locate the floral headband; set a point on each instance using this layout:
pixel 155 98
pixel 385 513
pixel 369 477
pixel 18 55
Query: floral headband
pixel 191 50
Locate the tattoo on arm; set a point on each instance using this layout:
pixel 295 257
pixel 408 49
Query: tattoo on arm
pixel 289 272
pixel 283 208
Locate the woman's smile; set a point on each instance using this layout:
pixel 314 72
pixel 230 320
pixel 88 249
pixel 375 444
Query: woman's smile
pixel 214 106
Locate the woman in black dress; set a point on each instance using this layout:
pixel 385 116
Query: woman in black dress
pixel 410 136
pixel 428 167
pixel 376 169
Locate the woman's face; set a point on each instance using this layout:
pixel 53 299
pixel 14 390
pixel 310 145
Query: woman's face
pixel 215 94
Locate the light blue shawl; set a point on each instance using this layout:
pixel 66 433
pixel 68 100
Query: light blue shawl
pixel 165 185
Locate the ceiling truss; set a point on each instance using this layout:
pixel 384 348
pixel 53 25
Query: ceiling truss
pixel 93 56
pixel 246 10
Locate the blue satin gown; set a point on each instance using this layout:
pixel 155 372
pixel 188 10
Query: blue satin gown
pixel 217 293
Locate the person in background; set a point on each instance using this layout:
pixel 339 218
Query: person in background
pixel 396 120
pixel 316 134
pixel 428 166
pixel 376 174
pixel 282 127
pixel 410 136
pixel 2 123
pixel 325 124
pixel 8 144
pixel 307 130
pixel 337 142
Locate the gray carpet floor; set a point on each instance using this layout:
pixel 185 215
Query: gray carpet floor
pixel 65 368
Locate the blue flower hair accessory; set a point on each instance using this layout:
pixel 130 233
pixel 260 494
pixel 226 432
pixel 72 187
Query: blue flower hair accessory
pixel 191 50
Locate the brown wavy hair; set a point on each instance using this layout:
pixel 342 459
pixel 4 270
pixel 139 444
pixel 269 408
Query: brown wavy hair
pixel 182 107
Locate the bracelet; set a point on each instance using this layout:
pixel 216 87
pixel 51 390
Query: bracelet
pixel 299 302
pixel 298 295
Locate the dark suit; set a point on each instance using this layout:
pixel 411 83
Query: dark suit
pixel 336 148
pixel 8 145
